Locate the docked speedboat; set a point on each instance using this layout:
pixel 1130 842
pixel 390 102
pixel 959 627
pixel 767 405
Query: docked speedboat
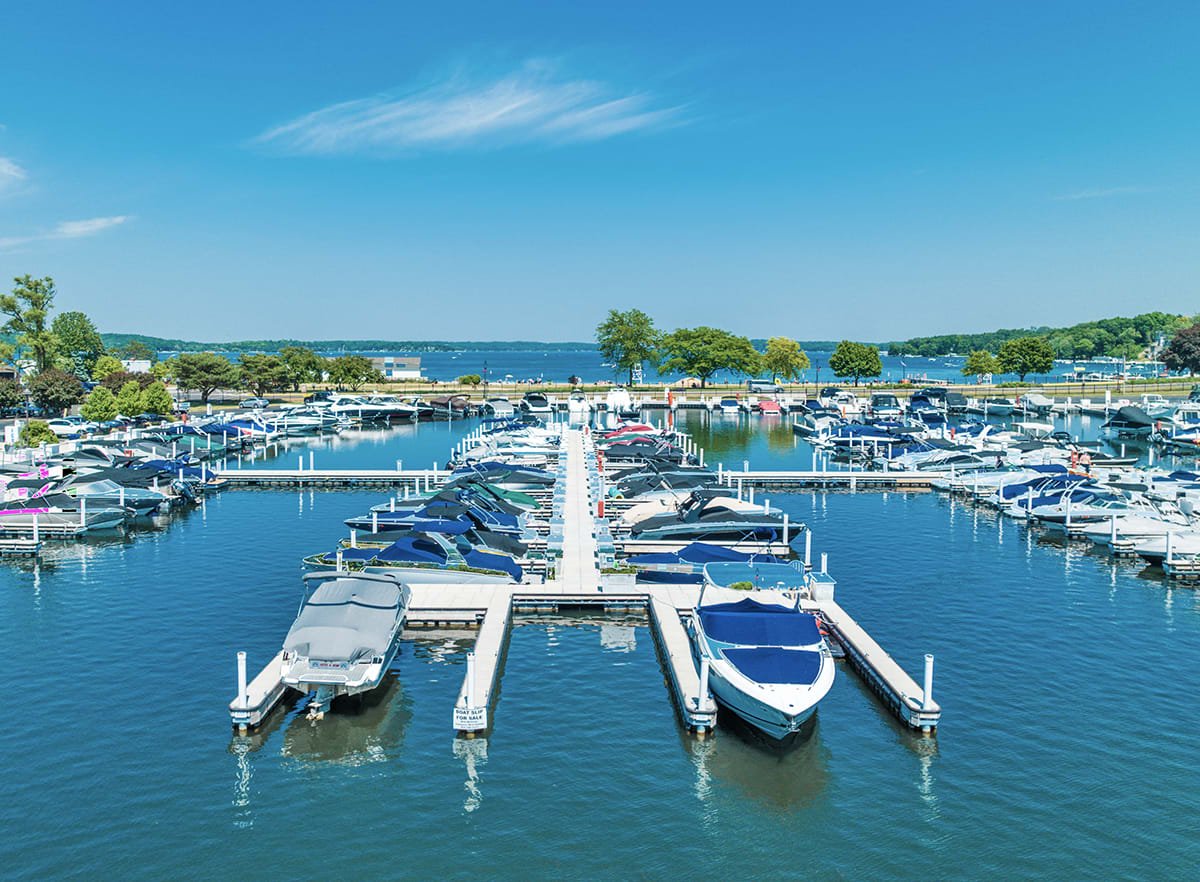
pixel 1129 422
pixel 886 406
pixel 345 635
pixel 536 404
pixel 687 564
pixel 619 403
pixel 729 406
pixel 712 515
pixel 498 406
pixel 767 660
pixel 426 558
pixel 578 406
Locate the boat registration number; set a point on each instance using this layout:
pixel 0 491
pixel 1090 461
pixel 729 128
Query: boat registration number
pixel 327 665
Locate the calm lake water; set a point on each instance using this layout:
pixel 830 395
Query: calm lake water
pixel 1068 683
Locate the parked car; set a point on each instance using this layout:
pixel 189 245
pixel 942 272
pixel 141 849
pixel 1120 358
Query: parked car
pixel 319 395
pixel 70 427
pixel 182 406
pixel 254 403
pixel 764 386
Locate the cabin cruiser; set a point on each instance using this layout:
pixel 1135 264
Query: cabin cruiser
pixel 886 406
pixel 729 406
pixel 107 493
pixel 536 404
pixel 767 660
pixel 998 407
pixel 709 514
pixel 1129 421
pixel 578 406
pixel 619 403
pixel 1033 402
pixel 345 635
pixel 498 406
pixel 1155 406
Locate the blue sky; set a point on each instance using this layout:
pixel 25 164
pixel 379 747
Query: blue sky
pixel 513 170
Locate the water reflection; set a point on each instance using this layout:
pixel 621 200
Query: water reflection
pixel 473 753
pixel 779 778
pixel 357 732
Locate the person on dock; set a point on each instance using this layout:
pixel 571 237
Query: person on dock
pixel 1086 462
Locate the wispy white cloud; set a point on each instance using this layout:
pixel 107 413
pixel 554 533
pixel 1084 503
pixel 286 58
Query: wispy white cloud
pixel 1103 193
pixel 10 173
pixel 77 229
pixel 532 104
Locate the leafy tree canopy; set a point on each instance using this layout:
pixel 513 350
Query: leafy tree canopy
pixel 980 362
pixel 105 365
pixel 204 372
pixel 78 340
pixel 156 399
pixel 353 371
pixel 129 399
pixel 264 373
pixel 784 358
pixel 1026 355
pixel 628 339
pixel 1183 352
pixel 703 351
pixel 100 406
pixel 28 310
pixel 303 365
pixel 10 393
pixel 35 433
pixel 55 390
pixel 855 360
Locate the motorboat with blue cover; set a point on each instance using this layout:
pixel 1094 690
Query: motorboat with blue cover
pixel 686 566
pixel 345 635
pixel 768 662
pixel 421 558
pixel 470 516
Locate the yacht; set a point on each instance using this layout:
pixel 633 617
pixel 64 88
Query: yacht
pixel 710 515
pixel 536 404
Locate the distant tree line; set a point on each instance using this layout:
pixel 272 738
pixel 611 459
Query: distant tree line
pixel 629 340
pixel 1115 337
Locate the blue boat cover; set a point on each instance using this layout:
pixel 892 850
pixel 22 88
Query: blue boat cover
pixel 455 527
pixel 489 560
pixel 750 623
pixel 413 549
pixel 774 665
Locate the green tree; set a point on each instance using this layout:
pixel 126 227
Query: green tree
pixel 10 394
pixel 55 390
pixel 303 365
pixel 980 362
pixel 701 352
pixel 353 371
pixel 100 406
pixel 205 372
pixel 855 360
pixel 470 379
pixel 28 309
pixel 628 340
pixel 105 365
pixel 35 433
pixel 129 399
pixel 1026 355
pixel 117 379
pixel 78 340
pixel 784 358
pixel 163 370
pixel 136 350
pixel 156 399
pixel 1183 352
pixel 264 373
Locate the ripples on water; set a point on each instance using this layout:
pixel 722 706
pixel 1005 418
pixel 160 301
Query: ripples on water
pixel 1068 682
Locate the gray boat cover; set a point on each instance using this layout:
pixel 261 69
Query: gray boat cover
pixel 346 620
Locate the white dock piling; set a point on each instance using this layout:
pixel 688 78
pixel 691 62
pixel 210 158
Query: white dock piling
pixel 338 560
pixel 824 562
pixel 300 463
pixel 374 522
pixel 392 504
pixel 310 460
pixel 785 528
pixel 353 538
pixel 36 536
pixel 241 675
pixel 83 511
pixel 704 677
pixel 927 694
pixel 808 550
pixel 470 679
pixel 1170 547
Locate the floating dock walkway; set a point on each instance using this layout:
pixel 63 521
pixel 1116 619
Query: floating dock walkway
pixel 580 547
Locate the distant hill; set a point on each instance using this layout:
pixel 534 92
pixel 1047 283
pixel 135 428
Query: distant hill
pixel 167 344
pixel 1118 337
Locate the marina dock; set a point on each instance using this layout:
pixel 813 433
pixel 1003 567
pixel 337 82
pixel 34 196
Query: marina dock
pixel 580 582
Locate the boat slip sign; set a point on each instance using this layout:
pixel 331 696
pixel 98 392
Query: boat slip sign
pixel 470 719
